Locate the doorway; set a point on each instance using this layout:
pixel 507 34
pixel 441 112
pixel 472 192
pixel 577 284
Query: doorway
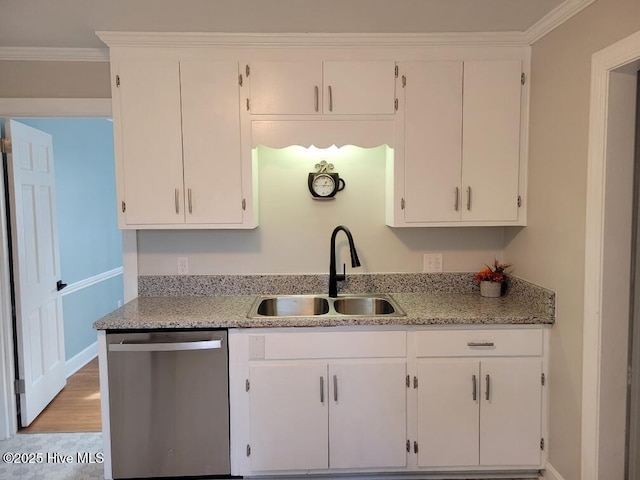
pixel 608 247
pixel 633 400
pixel 90 242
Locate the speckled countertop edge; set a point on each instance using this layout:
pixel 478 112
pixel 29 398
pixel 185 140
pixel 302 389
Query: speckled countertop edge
pixel 518 307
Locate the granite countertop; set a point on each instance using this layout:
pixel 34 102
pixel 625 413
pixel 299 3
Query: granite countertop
pixel 227 311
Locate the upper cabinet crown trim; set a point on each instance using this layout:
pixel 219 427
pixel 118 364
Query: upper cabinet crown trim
pixel 191 39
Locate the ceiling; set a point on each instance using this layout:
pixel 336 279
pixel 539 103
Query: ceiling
pixel 72 23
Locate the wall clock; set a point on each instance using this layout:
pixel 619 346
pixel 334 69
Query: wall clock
pixel 324 184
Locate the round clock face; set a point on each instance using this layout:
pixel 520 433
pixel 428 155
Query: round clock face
pixel 323 185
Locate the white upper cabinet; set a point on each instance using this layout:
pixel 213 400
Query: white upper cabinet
pixel 180 159
pixel 491 140
pixel 315 87
pixel 459 160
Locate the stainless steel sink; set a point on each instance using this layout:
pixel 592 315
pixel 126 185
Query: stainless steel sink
pixel 363 306
pixel 322 305
pixel 292 306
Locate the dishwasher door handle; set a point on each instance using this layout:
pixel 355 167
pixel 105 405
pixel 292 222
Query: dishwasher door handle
pixel 166 347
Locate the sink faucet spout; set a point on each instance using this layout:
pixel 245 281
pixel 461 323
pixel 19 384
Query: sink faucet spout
pixel 335 277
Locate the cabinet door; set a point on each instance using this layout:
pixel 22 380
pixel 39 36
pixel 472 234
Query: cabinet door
pixel 448 403
pixel 359 87
pixel 150 141
pixel 433 141
pixel 288 417
pixel 367 415
pixel 281 88
pixel 491 140
pixel 211 142
pixel 510 419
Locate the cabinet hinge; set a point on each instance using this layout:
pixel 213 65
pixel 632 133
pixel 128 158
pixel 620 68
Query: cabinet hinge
pixel 408 382
pixel 5 145
pixel 395 104
pixel 402 204
pixel 247 70
pixel 415 447
pixel 19 386
pixel 542 444
pixel 117 81
pixel 522 78
pixel 124 207
pixel 396 71
pixel 240 79
pixel 542 379
pixel 248 450
pixel 244 204
pixel 408 446
pixel 519 201
pixel 247 385
pixel 404 81
pixel 415 382
pixel 247 104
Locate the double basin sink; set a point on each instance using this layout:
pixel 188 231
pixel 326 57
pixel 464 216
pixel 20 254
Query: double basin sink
pixel 322 305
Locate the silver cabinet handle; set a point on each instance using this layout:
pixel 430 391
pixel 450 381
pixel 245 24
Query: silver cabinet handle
pixel 488 385
pixel 330 99
pixel 335 388
pixel 456 204
pixel 176 198
pixel 474 391
pixel 321 389
pixel 166 347
pixel 480 344
pixel 190 200
pixel 317 104
pixel 468 198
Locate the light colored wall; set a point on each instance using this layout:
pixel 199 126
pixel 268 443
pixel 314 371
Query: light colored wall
pixel 550 251
pixel 294 230
pixel 32 79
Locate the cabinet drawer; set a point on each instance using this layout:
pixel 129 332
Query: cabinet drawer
pixel 283 346
pixel 479 343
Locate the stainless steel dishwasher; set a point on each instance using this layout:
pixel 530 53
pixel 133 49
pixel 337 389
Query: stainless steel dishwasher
pixel 168 403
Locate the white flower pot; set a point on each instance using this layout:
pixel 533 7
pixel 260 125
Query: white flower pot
pixel 490 289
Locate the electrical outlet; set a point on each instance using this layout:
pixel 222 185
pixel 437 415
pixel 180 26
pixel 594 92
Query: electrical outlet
pixel 432 262
pixel 183 266
pixel 119 303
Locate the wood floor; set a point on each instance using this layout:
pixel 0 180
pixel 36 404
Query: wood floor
pixel 76 408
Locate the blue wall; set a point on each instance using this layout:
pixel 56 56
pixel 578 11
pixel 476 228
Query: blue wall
pixel 89 240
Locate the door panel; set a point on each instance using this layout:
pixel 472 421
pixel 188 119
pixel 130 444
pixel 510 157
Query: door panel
pixel 367 415
pixel 211 142
pixel 448 418
pixel 509 436
pixel 433 141
pixel 36 267
pixel 288 417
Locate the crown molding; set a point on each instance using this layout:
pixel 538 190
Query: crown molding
pixel 269 40
pixel 555 18
pixel 54 54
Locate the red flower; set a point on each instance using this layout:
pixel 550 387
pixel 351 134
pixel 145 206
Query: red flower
pixel 492 274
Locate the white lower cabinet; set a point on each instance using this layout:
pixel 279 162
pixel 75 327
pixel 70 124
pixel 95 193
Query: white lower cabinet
pixel 419 400
pixel 479 413
pixel 336 415
pixel 480 398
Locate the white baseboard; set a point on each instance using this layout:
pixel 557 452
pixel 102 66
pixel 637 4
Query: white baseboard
pixel 78 361
pixel 551 473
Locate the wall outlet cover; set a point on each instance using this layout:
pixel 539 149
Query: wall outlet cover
pixel 432 263
pixel 183 266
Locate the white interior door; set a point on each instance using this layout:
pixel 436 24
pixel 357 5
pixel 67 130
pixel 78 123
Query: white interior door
pixel 36 267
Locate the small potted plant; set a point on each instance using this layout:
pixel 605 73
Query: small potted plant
pixel 491 279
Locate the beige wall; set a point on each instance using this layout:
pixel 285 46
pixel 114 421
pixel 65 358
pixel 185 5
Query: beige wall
pixel 29 79
pixel 550 251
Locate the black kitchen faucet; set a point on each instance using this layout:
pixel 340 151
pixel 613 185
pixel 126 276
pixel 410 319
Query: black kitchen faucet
pixel 334 277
